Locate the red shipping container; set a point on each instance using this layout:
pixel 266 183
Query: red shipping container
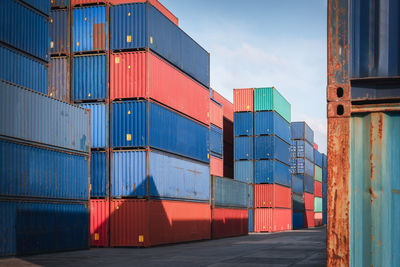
pixel 216 114
pixel 317 189
pixel 315 146
pixel 272 196
pixel 229 222
pixel 216 166
pixel 142 74
pixel 308 201
pixel 318 219
pixel 272 220
pixel 153 222
pixel 226 104
pixel 99 222
pixel 243 100
pixel 308 219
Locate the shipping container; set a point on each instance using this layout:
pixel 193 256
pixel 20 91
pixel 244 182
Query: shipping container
pixel 302 166
pixel 297 220
pixel 226 104
pixel 270 172
pixel 59 32
pixel 251 220
pixel 297 184
pixel 228 160
pixel 270 99
pixel 271 123
pixel 317 158
pixel 39 5
pixel 243 124
pixel 99 168
pixel 272 196
pixel 145 223
pixel 59 3
pixel 244 171
pixel 315 146
pixel 308 199
pixel 317 173
pixel 22 70
pixel 216 113
pixel 301 131
pixel 317 219
pixel 144 123
pixel 75 3
pixel 243 100
pixel 140 173
pixel 317 204
pixel 308 184
pixel 228 131
pixel 302 149
pixel 24 29
pixel 308 219
pixel 271 147
pixel 99 222
pixel 33 117
pixel 324 189
pixel 324 218
pixel 42 227
pixel 227 222
pixel 89 77
pixel 227 192
pixel 243 148
pixel 59 79
pixel 149 28
pixel 272 220
pixel 324 204
pixel 89 29
pixel 317 189
pixel 98 124
pixel 251 195
pixel 297 202
pixel 28 171
pixel 324 161
pixel 143 74
pixel 216 166
pixel 216 140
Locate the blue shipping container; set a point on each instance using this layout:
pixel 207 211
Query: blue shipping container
pixel 251 220
pixel 325 175
pixel 271 172
pixel 297 184
pixel 301 131
pixel 317 158
pixel 324 161
pixel 90 29
pixel 89 79
pixel 216 140
pixel 98 124
pixel 141 25
pixel 169 176
pixel 28 171
pixel 24 29
pixel 41 227
pixel 59 85
pixel 308 184
pixel 324 204
pixel 324 218
pixel 243 147
pixel 303 166
pixel 271 147
pixel 297 202
pixel 99 174
pixel 251 195
pixel 243 171
pixel 304 149
pixel 271 123
pixel 22 70
pixel 59 31
pixel 59 3
pixel 297 220
pixel 40 5
pixel 243 124
pixel 229 193
pixel 32 117
pixel 143 124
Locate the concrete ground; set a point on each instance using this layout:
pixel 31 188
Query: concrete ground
pixel 294 248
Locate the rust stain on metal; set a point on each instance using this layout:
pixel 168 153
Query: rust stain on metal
pixel 371 192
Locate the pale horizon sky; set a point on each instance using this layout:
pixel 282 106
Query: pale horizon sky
pixel 262 43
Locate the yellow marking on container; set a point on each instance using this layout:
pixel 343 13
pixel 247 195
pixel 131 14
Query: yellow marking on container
pixel 247 155
pixel 77 43
pixel 51 44
pixel 267 154
pixel 128 137
pixel 96 236
pixel 128 38
pixel 89 94
pixel 51 94
pixel 129 67
pixel 208 114
pixel 116 60
pixel 268 178
pixel 90 187
pixel 141 238
pixel 247 107
pixel 117 207
pixel 208 156
pixel 267 130
pixel 51 20
pixel 129 112
pixel 247 131
pixel 85 18
pixel 151 39
pixel 129 14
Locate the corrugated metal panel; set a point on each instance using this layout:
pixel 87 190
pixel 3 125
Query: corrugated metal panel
pixel 24 29
pixel 243 100
pixel 271 123
pixel 324 189
pixel 317 173
pixel 318 219
pixel 98 124
pixel 308 219
pixel 324 161
pixel 141 123
pixel 317 204
pixel 99 222
pixel 228 222
pixel 297 220
pixel 144 75
pixel 272 220
pixel 297 202
pixel 251 195
pixel 89 29
pixel 99 167
pixel 216 166
pixel 244 171
pixel 301 131
pixel 303 149
pixel 243 147
pixel 251 220
pixel 243 124
pixel 271 147
pixel 303 166
pixel 271 99
pixel 28 171
pixel 59 3
pixel 324 204
pixel 229 193
pixel 89 79
pixel 40 227
pixel 324 218
pixel 226 104
pixel 59 79
pixel 147 27
pixel 22 70
pixel 59 31
pixel 272 196
pixel 297 184
pixel 33 117
pixel 216 114
pixel 308 201
pixel 87 2
pixel 317 158
pixel 317 189
pixel 216 140
pixel 308 184
pixel 40 5
pixel 271 171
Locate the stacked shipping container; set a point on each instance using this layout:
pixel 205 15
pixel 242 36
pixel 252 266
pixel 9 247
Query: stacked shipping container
pixel 324 187
pixel 216 138
pixel 318 163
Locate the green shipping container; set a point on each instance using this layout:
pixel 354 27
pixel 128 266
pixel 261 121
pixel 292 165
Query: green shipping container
pixel 270 99
pixel 317 173
pixel 317 204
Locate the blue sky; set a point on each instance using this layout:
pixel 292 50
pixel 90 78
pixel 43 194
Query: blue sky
pixel 261 43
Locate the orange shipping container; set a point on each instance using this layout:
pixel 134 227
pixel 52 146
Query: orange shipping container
pixel 243 100
pixel 272 220
pixel 229 222
pixel 216 166
pixel 99 221
pixel 272 196
pixel 318 218
pixel 308 219
pixel 308 201
pixel 216 114
pixel 226 105
pixel 317 189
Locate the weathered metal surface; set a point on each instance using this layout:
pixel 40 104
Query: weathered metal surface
pixel 227 192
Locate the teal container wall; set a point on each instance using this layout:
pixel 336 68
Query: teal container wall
pixel 229 193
